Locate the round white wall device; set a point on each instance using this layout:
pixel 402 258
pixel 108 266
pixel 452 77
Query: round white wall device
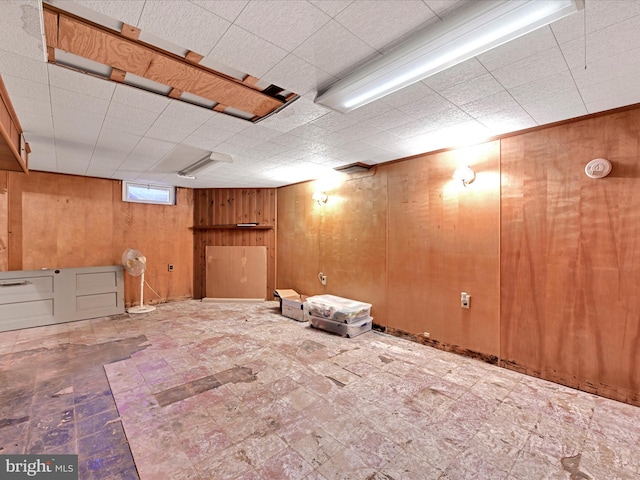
pixel 598 168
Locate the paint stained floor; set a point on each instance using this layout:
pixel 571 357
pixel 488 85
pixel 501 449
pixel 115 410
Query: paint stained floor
pixel 236 391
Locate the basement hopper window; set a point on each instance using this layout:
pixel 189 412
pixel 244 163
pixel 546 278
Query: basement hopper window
pixel 143 193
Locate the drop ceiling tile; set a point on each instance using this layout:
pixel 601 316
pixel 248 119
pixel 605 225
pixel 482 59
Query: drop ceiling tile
pixel 135 97
pixel 457 74
pixel 326 49
pixel 23 67
pixel 498 102
pixel 617 99
pixel 24 105
pixel 519 49
pixel 531 68
pixel 426 107
pixel 227 9
pixel 410 94
pixel 612 88
pixel 80 83
pixel 284 23
pixel 308 131
pixel 364 17
pixel 478 87
pixel 507 121
pixel 610 41
pixel 246 52
pixel 331 7
pixel 621 66
pixel 227 123
pixel 194 114
pixel 599 15
pixel 64 113
pixel 35 124
pixel 550 115
pixel 543 87
pixel 144 118
pixel 79 101
pixel 129 125
pixel 20 32
pixel 127 12
pixel 116 140
pixel 298 113
pixel 164 131
pixel 444 7
pixel 21 87
pixel 296 75
pixel 391 119
pixel 183 23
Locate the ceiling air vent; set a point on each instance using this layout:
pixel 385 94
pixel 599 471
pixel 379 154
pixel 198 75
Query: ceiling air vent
pixel 354 168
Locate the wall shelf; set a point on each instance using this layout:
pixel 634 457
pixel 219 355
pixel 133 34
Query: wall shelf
pixel 232 227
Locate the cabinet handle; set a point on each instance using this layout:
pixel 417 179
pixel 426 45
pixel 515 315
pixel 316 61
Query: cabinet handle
pixel 15 284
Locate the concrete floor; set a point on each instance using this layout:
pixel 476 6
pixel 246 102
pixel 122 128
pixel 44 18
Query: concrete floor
pixel 236 391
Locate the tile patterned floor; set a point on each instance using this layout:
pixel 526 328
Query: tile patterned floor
pixel 236 391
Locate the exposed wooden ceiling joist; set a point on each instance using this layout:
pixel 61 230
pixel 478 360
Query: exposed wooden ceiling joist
pixel 123 52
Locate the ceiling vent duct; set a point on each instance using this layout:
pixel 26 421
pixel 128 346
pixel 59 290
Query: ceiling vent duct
pixel 354 168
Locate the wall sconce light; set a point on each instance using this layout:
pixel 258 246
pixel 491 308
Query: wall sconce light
pixel 320 197
pixel 465 174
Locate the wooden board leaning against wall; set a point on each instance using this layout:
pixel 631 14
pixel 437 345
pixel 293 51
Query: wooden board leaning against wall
pixel 64 221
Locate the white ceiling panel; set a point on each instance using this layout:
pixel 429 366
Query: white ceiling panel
pixel 23 67
pixel 297 75
pixel 331 7
pixel 531 68
pixel 20 33
pixel 77 82
pixel 478 87
pixel 519 49
pixel 284 23
pixel 78 101
pixel 77 122
pixel 364 17
pixel 227 9
pixel 246 52
pixel 135 97
pixel 21 87
pixel 127 12
pixel 183 23
pixel 326 49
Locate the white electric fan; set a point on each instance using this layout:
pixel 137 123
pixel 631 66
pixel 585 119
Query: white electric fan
pixel 135 264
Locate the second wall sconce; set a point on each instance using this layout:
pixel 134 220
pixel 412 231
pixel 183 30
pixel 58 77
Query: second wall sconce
pixel 465 174
pixel 320 197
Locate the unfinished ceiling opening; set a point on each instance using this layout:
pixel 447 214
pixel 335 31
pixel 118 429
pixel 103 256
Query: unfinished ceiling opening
pixel 124 54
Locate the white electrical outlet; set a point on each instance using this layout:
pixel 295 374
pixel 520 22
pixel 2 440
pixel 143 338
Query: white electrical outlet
pixel 465 300
pixel 323 279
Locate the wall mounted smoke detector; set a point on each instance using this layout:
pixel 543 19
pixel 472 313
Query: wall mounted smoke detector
pixel 598 168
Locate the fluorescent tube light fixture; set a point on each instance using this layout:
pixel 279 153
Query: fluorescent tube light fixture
pixel 481 26
pixel 211 158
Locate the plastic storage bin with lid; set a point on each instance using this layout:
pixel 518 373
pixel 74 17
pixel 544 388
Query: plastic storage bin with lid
pixel 338 309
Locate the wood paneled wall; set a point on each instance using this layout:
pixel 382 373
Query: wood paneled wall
pixel 4 222
pixel 444 240
pixel 570 256
pixel 406 238
pixel 344 239
pixel 64 221
pixel 229 206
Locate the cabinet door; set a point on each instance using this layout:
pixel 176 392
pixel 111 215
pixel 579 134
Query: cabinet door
pixel 27 299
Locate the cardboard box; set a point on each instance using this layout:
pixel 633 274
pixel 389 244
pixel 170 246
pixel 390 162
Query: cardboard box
pixel 291 304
